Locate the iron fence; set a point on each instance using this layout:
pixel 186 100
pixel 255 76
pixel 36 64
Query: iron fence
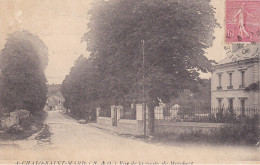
pixel 128 113
pixel 202 114
pixel 105 113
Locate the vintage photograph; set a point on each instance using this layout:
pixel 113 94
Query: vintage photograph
pixel 129 82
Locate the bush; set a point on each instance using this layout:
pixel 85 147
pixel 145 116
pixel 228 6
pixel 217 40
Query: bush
pixel 27 122
pixel 185 111
pixel 15 129
pixel 236 134
pixel 240 133
pixel 26 127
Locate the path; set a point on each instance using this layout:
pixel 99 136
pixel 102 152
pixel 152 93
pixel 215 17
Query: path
pixel 81 142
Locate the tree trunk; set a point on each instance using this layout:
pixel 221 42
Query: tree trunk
pixel 150 125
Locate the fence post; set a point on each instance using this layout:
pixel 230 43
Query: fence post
pixel 113 115
pixel 112 110
pixel 139 112
pixel 119 109
pixel 97 112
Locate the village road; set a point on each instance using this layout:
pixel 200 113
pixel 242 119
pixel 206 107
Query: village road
pixel 71 141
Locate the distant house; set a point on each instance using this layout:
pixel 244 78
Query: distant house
pixel 232 75
pixel 55 102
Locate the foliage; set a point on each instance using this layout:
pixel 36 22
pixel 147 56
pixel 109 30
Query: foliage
pixel 44 134
pixel 237 133
pixel 23 83
pixel 53 89
pixel 253 87
pixel 243 133
pixel 208 115
pixel 175 35
pixel 197 98
pixel 185 111
pixel 81 88
pixel 33 120
pixel 24 130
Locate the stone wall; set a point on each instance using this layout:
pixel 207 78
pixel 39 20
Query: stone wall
pixel 133 127
pixel 184 127
pixel 104 121
pixel 20 113
pixel 7 122
pixel 14 118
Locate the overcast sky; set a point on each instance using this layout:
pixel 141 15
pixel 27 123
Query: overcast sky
pixel 62 23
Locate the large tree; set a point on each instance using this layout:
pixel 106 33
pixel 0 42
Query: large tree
pixel 23 83
pixel 176 34
pixel 81 88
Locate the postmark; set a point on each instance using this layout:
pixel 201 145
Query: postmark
pixel 239 51
pixel 242 21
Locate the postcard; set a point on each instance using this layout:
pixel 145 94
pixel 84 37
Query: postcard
pixel 129 82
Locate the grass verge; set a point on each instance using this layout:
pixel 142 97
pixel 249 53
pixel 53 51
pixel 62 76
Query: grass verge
pixel 232 134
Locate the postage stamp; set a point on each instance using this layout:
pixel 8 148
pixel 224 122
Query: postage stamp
pixel 242 21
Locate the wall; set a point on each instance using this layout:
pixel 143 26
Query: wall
pixel 184 127
pixel 134 127
pixel 14 118
pixel 251 76
pixel 9 121
pixel 104 121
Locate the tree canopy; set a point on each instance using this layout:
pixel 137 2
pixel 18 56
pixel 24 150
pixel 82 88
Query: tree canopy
pixel 175 33
pixel 81 88
pixel 254 87
pixel 53 89
pixel 23 83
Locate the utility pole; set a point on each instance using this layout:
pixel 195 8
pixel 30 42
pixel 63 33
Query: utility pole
pixel 144 99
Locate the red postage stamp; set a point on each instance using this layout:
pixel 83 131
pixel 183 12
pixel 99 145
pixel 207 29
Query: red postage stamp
pixel 242 20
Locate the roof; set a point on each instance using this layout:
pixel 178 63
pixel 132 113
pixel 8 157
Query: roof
pixel 53 97
pixel 247 52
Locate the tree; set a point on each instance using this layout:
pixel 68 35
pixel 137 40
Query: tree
pixel 23 83
pixel 53 89
pixel 199 98
pixel 254 87
pixel 81 88
pixel 176 34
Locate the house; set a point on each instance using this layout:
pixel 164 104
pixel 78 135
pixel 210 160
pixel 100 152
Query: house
pixel 55 102
pixel 232 75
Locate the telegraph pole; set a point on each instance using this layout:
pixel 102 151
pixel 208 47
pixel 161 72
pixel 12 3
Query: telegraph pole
pixel 144 99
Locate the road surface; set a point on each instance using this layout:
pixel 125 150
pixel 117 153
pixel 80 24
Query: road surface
pixel 71 141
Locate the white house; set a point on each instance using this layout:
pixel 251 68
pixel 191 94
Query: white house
pixel 231 75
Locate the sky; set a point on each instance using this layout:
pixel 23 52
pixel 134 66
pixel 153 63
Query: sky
pixel 62 23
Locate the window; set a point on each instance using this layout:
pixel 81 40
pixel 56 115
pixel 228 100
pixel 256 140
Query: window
pixel 219 103
pixel 230 104
pixel 230 81
pixel 243 106
pixel 242 79
pixel 219 81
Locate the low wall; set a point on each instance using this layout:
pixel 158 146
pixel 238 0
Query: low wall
pixel 9 121
pixel 184 127
pixel 104 121
pixel 134 127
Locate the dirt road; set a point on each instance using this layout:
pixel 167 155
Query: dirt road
pixel 71 141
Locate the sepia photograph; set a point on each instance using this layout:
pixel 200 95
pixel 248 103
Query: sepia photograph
pixel 129 82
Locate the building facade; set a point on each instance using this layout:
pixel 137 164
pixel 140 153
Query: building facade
pixel 232 75
pixel 55 102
